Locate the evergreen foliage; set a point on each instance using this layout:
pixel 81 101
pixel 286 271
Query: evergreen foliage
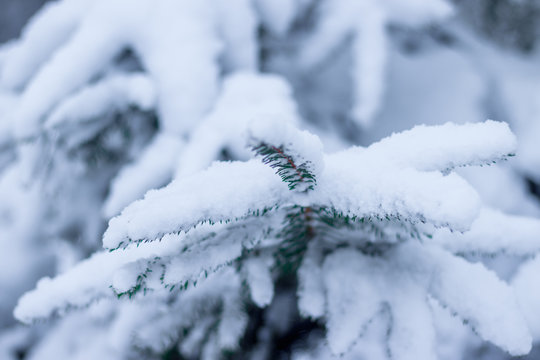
pixel 308 241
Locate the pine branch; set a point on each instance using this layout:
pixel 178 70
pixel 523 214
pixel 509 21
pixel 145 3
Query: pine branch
pixel 298 176
pixel 296 234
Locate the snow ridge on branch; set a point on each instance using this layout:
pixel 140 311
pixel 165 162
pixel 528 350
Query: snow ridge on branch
pixel 243 216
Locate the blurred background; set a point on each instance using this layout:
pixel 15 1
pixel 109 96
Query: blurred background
pixel 14 16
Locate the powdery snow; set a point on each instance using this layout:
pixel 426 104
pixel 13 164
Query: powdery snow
pixel 494 232
pixel 153 169
pixel 233 210
pixel 242 188
pixel 115 93
pixel 100 33
pixel 244 97
pixel 366 21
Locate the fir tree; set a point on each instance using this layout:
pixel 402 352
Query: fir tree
pixel 348 239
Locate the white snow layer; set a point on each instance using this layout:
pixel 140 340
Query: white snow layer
pixel 494 232
pixel 259 279
pixel 366 21
pixel 448 146
pixel 87 281
pixel 375 181
pixel 311 293
pixel 115 93
pixel 153 169
pixel 301 146
pixel 244 97
pixel 43 34
pixel 237 24
pixel 410 273
pixel 242 187
pixel 159 32
pixel 527 291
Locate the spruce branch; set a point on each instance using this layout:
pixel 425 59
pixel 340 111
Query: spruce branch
pixel 298 176
pixel 296 155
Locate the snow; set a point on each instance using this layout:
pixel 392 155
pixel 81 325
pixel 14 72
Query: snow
pixel 366 21
pixel 17 240
pixel 301 146
pixel 13 339
pixel 369 74
pixel 193 264
pixel 244 98
pixel 237 24
pixel 442 200
pixel 194 339
pixel 103 103
pixel 242 188
pixel 259 279
pixel 403 279
pixel 421 83
pixel 494 232
pixel 212 219
pixel 382 183
pixel 448 146
pixel 528 294
pixel 412 333
pixel 88 281
pixel 7 103
pixel 277 15
pixel 372 189
pixel 520 90
pixel 125 278
pixel 178 64
pixel 154 168
pixel 232 324
pixel 115 93
pixel 43 34
pixel 106 330
pixel 311 294
pixel 417 12
pixel 491 309
pixel 488 182
pixel 350 308
pixel 100 33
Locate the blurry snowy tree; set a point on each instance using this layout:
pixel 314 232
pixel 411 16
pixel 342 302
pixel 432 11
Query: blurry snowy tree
pixel 361 252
